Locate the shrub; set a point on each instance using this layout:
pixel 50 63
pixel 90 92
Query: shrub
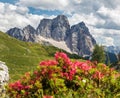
pixel 63 78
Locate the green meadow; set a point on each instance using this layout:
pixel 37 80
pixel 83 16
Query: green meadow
pixel 21 57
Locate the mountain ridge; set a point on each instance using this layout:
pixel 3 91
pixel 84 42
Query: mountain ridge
pixel 77 37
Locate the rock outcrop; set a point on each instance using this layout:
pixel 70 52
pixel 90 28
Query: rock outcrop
pixel 4 77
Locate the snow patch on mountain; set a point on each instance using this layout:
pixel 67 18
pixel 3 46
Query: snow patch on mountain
pixel 58 44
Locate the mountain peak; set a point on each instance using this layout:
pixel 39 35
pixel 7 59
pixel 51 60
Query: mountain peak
pixel 82 23
pixel 27 34
pixel 28 26
pixel 77 38
pixel 56 28
pixel 81 40
pixel 29 29
pixel 61 17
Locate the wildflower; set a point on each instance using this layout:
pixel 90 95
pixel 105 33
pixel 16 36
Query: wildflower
pixel 84 66
pixel 48 63
pixel 84 81
pixel 98 75
pixel 61 55
pixel 35 72
pixel 79 78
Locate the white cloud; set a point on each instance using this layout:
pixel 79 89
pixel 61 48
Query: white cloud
pixel 106 36
pixel 107 41
pixel 2 8
pixel 77 1
pixel 45 4
pixel 16 16
pixel 110 14
pixel 90 19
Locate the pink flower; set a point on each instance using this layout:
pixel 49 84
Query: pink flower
pixel 61 55
pixel 84 66
pixel 79 78
pixel 98 75
pixel 26 87
pixel 43 71
pixel 18 86
pixel 67 75
pixel 48 63
pixel 35 72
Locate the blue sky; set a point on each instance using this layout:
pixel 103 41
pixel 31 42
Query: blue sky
pixel 101 16
pixel 46 12
pixel 9 1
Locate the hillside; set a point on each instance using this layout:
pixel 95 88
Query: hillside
pixel 20 56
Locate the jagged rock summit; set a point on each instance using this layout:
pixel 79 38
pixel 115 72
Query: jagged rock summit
pixel 80 40
pixel 56 28
pixel 58 32
pixel 25 34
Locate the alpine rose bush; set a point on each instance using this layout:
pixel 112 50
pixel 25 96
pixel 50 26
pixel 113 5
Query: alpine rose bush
pixel 66 78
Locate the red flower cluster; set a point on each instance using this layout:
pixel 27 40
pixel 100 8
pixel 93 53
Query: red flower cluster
pixel 63 56
pixel 98 75
pixel 83 66
pixel 48 63
pixel 60 55
pixel 18 86
pixel 69 68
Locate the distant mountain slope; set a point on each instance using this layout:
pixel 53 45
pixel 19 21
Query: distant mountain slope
pixel 21 56
pixel 113 49
pixel 77 37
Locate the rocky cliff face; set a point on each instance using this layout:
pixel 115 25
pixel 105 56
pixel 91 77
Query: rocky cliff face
pixel 56 28
pixel 27 34
pixel 60 28
pixel 16 32
pixel 80 40
pixel 44 28
pixel 77 38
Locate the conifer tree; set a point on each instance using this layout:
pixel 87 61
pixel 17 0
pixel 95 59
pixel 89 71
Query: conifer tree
pixel 98 54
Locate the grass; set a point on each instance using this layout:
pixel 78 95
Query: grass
pixel 21 57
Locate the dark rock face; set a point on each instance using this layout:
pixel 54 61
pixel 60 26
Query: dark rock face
pixel 16 32
pixel 80 40
pixel 60 28
pixel 27 34
pixel 56 28
pixel 44 28
pixel 77 38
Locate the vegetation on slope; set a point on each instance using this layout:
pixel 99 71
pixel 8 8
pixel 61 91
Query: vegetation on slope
pixel 21 57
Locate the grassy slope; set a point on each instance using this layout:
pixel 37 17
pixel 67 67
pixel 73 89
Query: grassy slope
pixel 21 57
